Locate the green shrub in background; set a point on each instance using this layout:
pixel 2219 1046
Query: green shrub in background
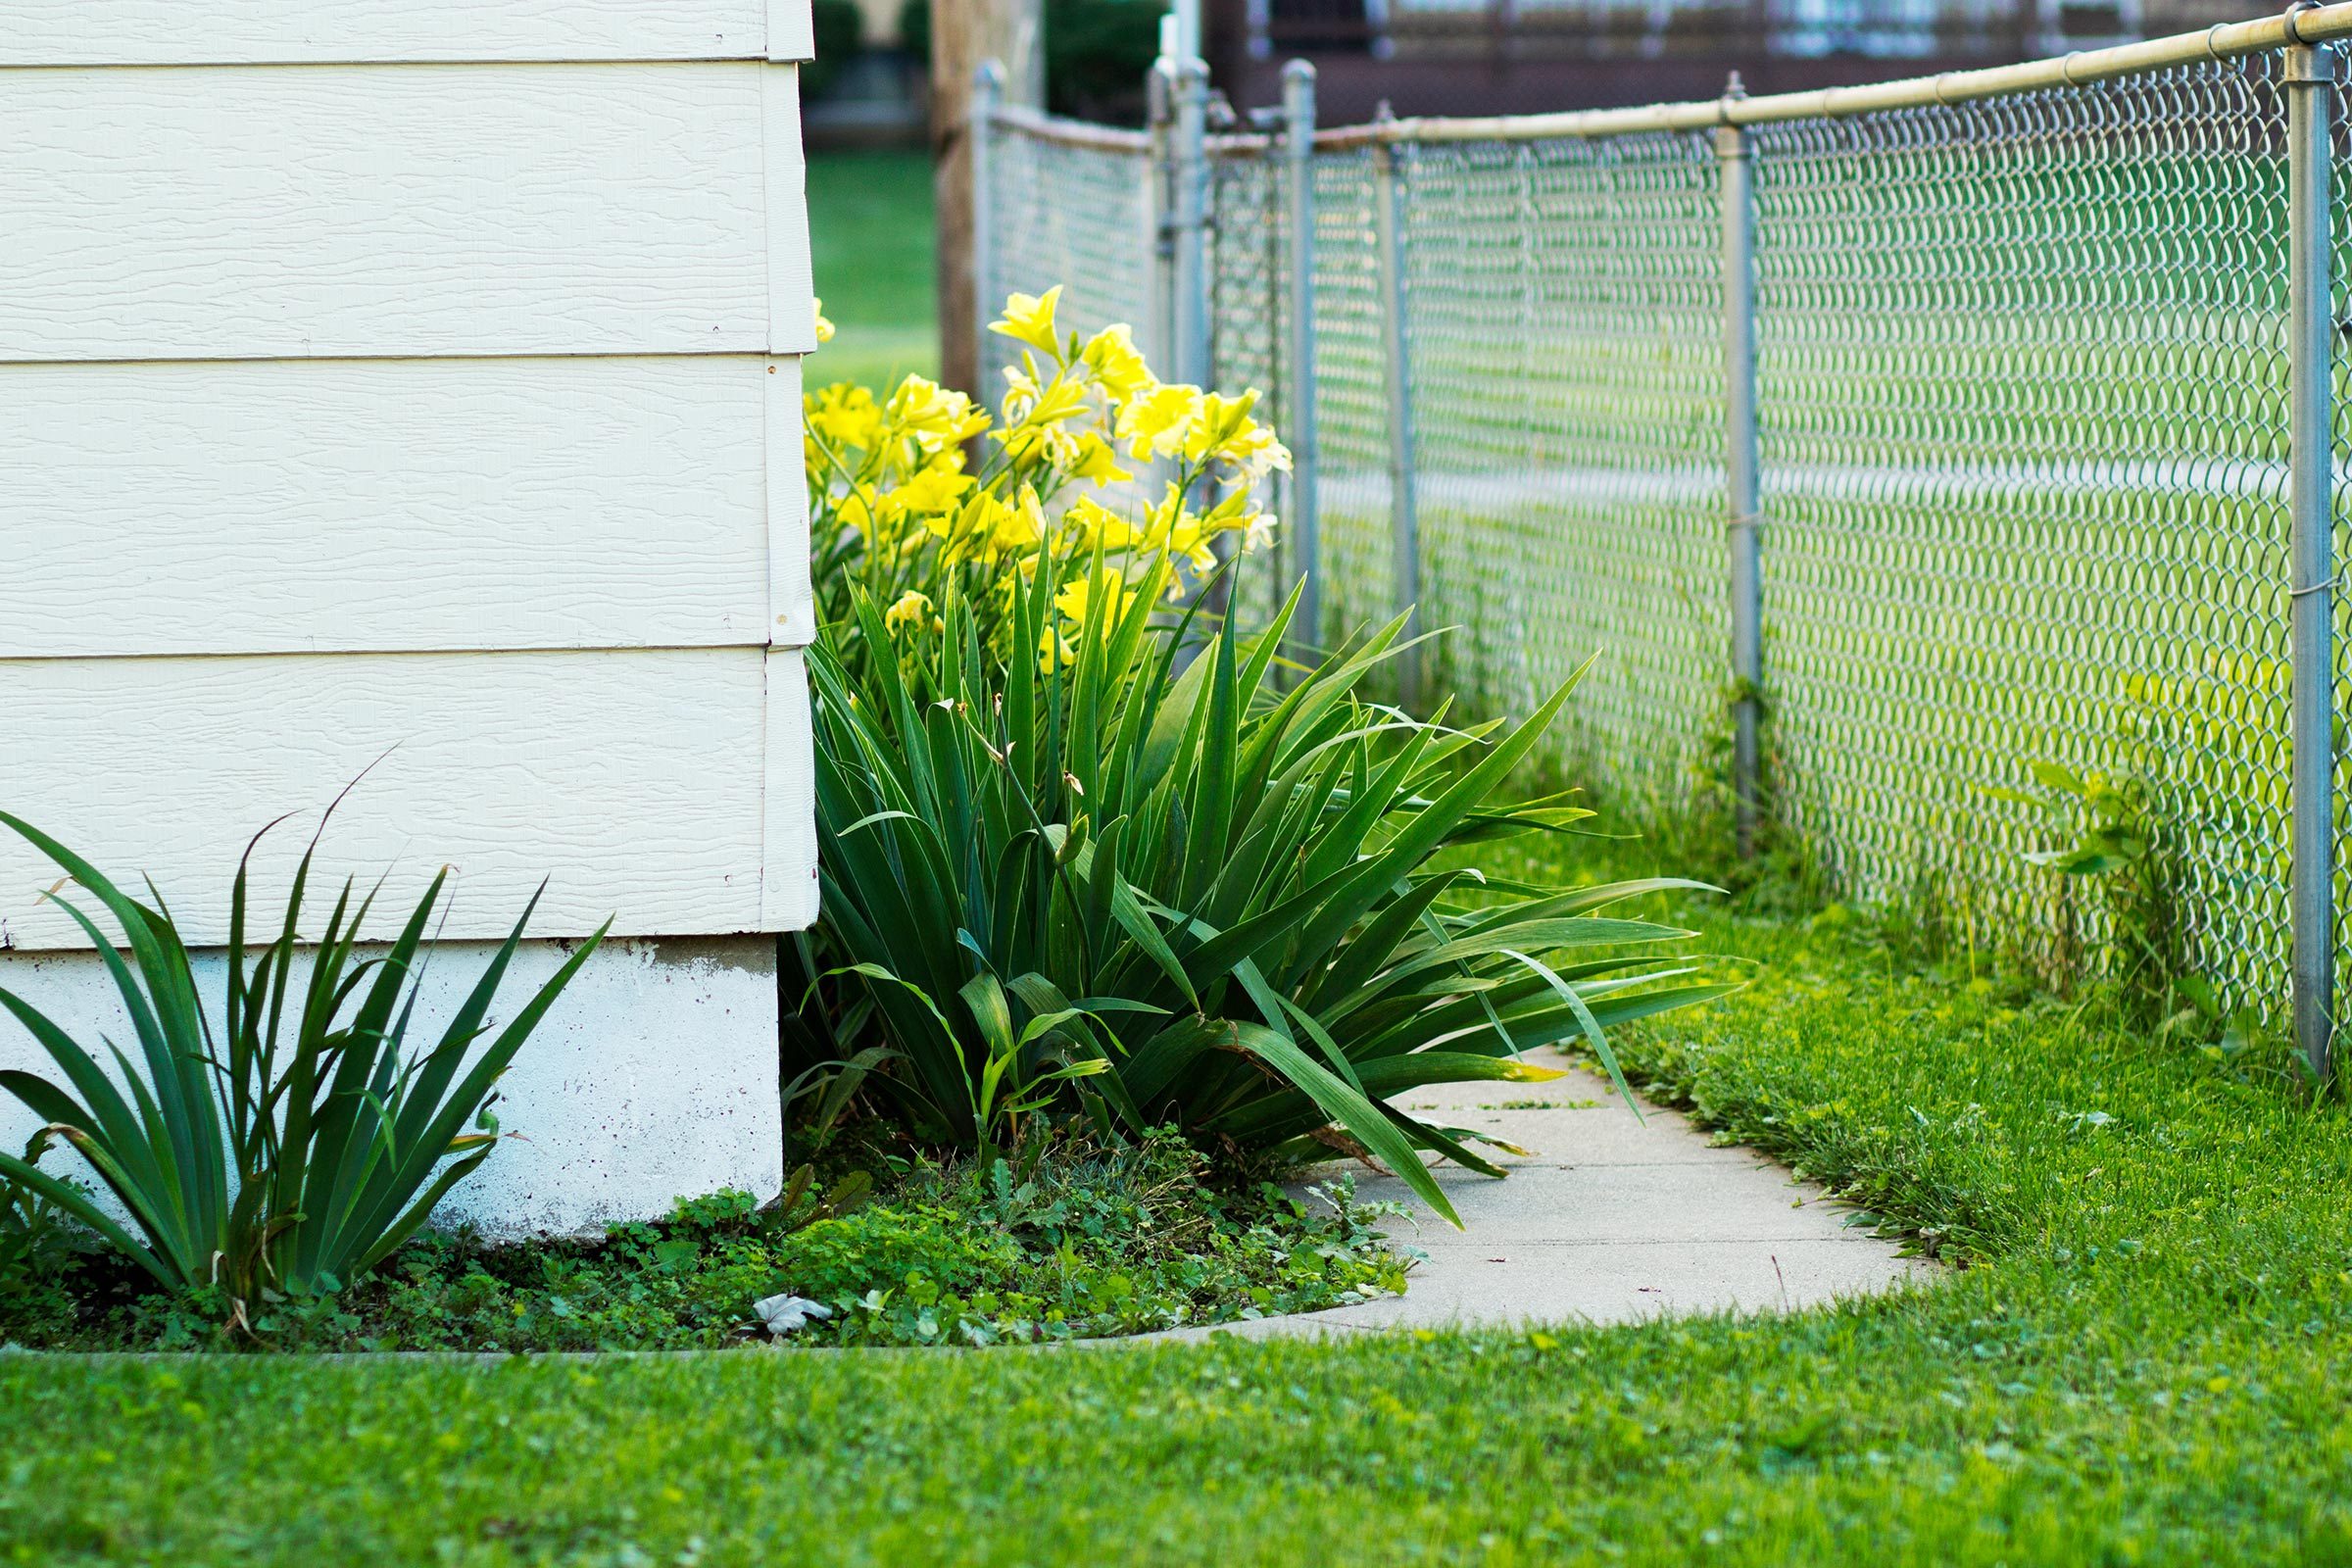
pixel 279 1154
pixel 838 28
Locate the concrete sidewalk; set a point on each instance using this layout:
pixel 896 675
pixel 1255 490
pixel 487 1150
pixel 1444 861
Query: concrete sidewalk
pixel 1609 1219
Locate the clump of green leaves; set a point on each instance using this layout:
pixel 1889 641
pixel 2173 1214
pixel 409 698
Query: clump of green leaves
pixel 294 1146
pixel 2110 839
pixel 1105 882
pixel 40 1246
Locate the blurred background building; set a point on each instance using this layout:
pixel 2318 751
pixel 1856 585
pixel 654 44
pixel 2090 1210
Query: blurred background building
pixel 1453 57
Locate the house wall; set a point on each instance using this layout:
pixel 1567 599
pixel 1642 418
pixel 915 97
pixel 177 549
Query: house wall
pixel 411 388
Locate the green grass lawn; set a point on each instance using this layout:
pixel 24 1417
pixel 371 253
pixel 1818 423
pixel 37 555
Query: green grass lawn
pixel 2144 1359
pixel 869 230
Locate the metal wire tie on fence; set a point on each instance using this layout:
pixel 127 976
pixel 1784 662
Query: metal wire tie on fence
pixel 2334 580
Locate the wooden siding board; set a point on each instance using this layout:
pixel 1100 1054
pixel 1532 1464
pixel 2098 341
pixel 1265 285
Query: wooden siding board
pixel 303 212
pixel 398 504
pixel 179 32
pixel 637 782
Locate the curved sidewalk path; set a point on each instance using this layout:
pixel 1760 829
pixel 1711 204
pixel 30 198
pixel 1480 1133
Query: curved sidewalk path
pixel 1609 1219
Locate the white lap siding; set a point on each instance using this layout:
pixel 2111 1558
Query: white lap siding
pixel 414 383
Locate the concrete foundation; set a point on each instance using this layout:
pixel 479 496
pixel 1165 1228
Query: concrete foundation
pixel 653 1078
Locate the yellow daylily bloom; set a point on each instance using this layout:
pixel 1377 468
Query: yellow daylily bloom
pixel 1221 430
pixel 1095 460
pixel 1102 586
pixel 1118 365
pixel 1180 534
pixel 1020 527
pixel 1155 423
pixel 928 491
pixel 1034 415
pixel 1029 319
pixel 1092 526
pixel 843 414
pixel 911 610
pixel 934 415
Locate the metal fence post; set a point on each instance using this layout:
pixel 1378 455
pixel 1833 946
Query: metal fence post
pixel 1159 218
pixel 1189 221
pixel 1743 485
pixel 987 95
pixel 1304 533
pixel 2310 83
pixel 1404 524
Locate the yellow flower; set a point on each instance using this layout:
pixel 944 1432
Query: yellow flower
pixel 1032 413
pixel 1102 586
pixel 1092 526
pixel 1018 527
pixel 1180 534
pixel 1052 648
pixel 933 415
pixel 1155 424
pixel 1221 430
pixel 843 414
pixel 911 610
pixel 824 328
pixel 1117 364
pixel 1029 319
pixel 928 491
pixel 1094 459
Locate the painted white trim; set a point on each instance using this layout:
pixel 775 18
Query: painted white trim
pixel 791 600
pixel 791 30
pixel 788 888
pixel 791 290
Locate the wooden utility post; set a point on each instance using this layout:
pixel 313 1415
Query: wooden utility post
pixel 963 33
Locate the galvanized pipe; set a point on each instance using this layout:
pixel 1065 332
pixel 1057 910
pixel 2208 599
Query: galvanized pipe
pixel 1188 225
pixel 988 100
pixel 2227 41
pixel 1404 523
pixel 1743 504
pixel 1160 217
pixel 1303 530
pixel 2310 86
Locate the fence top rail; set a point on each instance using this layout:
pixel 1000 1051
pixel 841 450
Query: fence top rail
pixel 1043 127
pixel 1075 132
pixel 2307 24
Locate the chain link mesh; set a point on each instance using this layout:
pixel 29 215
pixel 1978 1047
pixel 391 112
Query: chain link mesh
pixel 1078 216
pixel 2023 386
pixel 2022 383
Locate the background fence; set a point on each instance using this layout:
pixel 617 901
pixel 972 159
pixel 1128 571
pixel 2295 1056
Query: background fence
pixel 2018 382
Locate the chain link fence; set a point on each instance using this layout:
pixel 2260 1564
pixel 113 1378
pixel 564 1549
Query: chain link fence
pixel 2025 377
